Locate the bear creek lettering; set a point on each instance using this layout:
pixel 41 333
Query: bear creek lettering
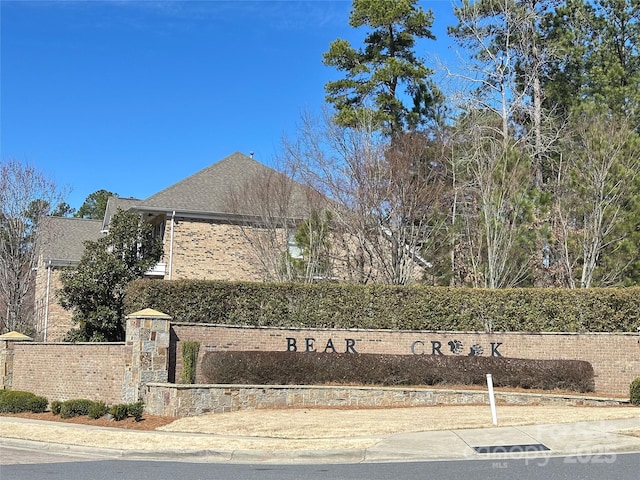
pixel 418 347
pixel 329 347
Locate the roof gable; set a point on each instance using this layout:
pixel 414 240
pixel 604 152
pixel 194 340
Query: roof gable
pixel 113 204
pixel 208 191
pixel 64 237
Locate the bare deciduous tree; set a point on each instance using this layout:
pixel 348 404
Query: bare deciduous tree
pixel 385 196
pixel 506 66
pixel 495 206
pixel 507 150
pixel 26 195
pixel 601 160
pixel 270 209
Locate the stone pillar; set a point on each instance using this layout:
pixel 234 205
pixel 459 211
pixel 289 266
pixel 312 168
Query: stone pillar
pixel 7 341
pixel 146 352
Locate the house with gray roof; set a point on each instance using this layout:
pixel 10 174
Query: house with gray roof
pixel 234 220
pixel 221 223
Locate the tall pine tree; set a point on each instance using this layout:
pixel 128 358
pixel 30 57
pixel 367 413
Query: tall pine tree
pixel 381 78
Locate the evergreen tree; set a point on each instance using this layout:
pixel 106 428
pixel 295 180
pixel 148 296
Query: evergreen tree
pixel 379 75
pixel 312 238
pixel 95 288
pixel 598 56
pixel 94 205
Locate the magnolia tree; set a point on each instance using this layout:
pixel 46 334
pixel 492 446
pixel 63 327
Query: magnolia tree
pixel 95 288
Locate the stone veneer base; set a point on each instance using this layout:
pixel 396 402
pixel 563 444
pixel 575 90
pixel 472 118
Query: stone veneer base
pixel 178 400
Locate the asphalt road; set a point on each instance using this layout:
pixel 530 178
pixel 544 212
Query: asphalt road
pixel 29 465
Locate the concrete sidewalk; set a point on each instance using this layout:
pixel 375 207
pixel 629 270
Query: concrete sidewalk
pixel 600 438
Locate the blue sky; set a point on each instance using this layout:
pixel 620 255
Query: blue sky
pixel 133 96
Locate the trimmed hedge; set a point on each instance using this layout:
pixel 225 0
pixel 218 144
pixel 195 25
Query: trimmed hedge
pixel 16 401
pixel 297 368
pixel 390 307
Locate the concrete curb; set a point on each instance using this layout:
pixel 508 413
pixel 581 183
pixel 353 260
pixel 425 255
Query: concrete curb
pixel 199 456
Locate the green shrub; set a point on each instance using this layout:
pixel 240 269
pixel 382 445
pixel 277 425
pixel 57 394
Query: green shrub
pixel 119 411
pixel 634 392
pixel 189 361
pixel 16 401
pixel 97 410
pixel 291 368
pixel 76 407
pixel 136 410
pixel 56 406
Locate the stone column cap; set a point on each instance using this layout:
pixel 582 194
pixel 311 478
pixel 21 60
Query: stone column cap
pixel 148 313
pixel 15 336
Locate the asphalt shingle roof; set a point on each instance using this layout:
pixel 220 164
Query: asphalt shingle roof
pixel 208 190
pixel 63 238
pixel 113 204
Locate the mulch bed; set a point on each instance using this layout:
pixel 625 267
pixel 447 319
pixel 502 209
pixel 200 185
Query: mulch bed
pixel 148 422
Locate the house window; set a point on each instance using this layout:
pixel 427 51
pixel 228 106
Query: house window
pixel 294 250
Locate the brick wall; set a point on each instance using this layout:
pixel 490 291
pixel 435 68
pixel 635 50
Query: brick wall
pixel 112 372
pixel 210 251
pixel 615 357
pixel 60 371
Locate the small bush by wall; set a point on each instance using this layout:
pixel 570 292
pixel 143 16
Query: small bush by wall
pixel 97 410
pixel 76 407
pixel 634 392
pixel 390 307
pixel 190 351
pixel 118 411
pixel 289 368
pixel 121 411
pixel 15 401
pixel 80 407
pixel 56 406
